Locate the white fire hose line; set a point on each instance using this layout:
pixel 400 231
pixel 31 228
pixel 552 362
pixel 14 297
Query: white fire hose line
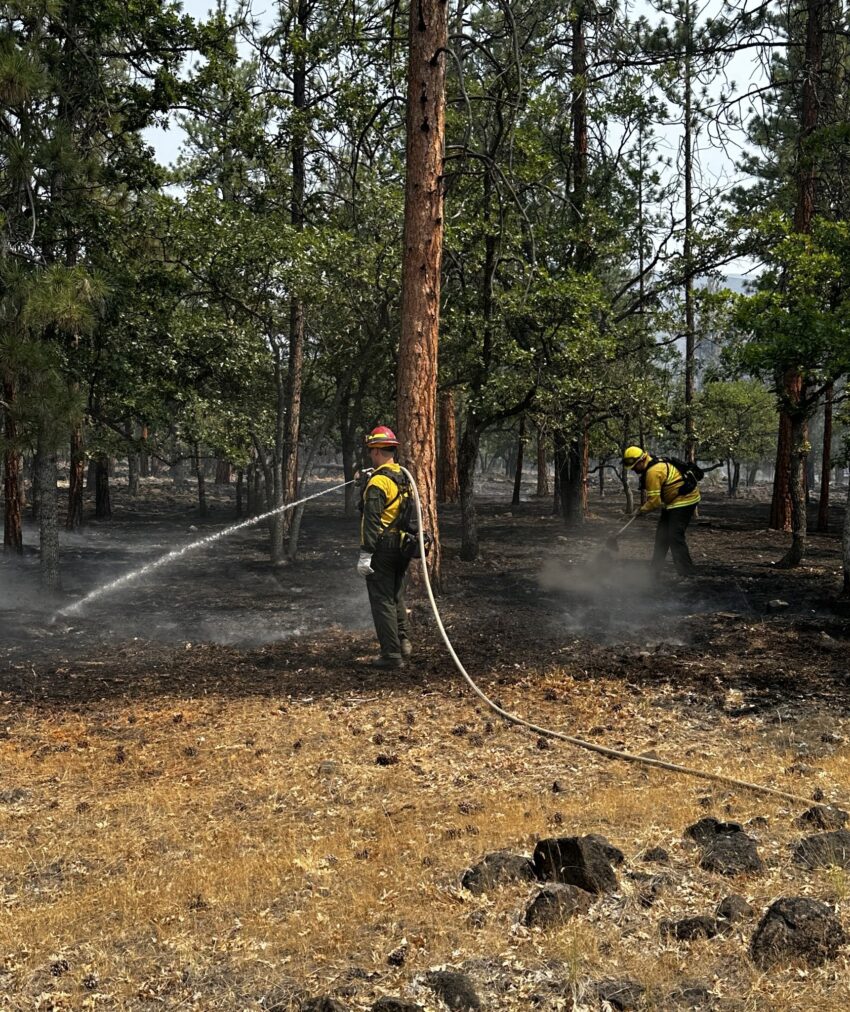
pixel 546 732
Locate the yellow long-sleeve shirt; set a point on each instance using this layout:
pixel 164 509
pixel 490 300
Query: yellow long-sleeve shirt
pixel 662 481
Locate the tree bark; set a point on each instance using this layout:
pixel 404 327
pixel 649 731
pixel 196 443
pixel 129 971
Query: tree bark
pixel 448 489
pixel 520 448
pixel 690 335
pixel 799 449
pixel 102 502
pixel 12 481
pixel 422 257
pixel 845 550
pixel 780 508
pixel 826 459
pixel 467 458
pixel 201 479
pixel 48 515
pixel 133 464
pixel 223 471
pixel 76 477
pixel 542 472
pixel 240 485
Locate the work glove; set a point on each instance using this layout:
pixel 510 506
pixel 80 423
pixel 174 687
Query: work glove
pixel 364 564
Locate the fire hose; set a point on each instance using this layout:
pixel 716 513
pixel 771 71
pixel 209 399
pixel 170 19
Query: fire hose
pixel 545 732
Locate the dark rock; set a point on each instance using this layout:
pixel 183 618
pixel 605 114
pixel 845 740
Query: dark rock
pixel 323 1004
pixel 455 989
pixel 797 927
pixel 733 908
pixel 701 926
pixel 824 849
pixel 555 904
pixel 658 855
pixel 708 829
pixel 614 854
pixel 575 860
pixel 822 817
pixel 395 1005
pixel 735 854
pixel 495 869
pixel 621 994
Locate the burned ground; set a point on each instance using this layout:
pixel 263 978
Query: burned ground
pixel 224 711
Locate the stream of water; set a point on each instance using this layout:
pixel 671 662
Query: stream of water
pixel 178 553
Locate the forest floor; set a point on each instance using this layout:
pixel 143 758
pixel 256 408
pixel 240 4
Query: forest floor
pixel 209 801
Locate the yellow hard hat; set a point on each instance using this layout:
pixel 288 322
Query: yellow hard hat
pixel 633 455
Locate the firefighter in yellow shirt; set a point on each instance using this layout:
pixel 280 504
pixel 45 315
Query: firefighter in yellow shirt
pixel 676 495
pixel 381 560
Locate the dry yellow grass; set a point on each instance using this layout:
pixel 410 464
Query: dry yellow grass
pixel 202 853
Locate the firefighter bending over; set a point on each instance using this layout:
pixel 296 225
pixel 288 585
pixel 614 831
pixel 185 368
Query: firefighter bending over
pixel 675 491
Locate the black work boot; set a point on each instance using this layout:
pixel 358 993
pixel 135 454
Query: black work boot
pixel 406 646
pixel 387 663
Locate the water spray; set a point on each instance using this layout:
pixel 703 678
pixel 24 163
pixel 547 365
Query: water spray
pixel 610 753
pixel 178 553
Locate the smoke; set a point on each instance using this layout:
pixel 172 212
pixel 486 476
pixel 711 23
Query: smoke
pixel 614 599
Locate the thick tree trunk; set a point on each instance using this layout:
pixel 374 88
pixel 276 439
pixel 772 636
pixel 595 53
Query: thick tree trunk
pixel 102 501
pixel 826 461
pixel 144 458
pixel 133 464
pixel 295 366
pixel 422 257
pixel 76 473
pixel 799 437
pixel 201 479
pixel 48 515
pixel 520 448
pixel 274 475
pixel 12 480
pixel 571 465
pixel 780 508
pixel 349 452
pixel 240 487
pixel 223 471
pixel 448 488
pixel 542 472
pixel 690 334
pixel 467 457
pixel 845 549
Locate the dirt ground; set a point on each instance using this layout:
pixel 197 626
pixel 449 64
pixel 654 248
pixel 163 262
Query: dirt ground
pixel 743 669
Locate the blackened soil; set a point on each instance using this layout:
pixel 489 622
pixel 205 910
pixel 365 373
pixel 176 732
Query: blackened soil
pixel 540 597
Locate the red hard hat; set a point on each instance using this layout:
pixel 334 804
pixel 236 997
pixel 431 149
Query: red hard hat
pixel 381 436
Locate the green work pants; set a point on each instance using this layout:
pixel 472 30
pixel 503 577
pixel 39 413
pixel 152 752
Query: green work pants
pixel 386 596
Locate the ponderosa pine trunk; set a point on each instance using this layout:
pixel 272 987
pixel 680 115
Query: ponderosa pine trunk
pixel 448 485
pixel 792 421
pixel 826 461
pixel 466 460
pixel 520 448
pixel 102 501
pixel 48 515
pixel 845 549
pixel 201 480
pixel 780 507
pixel 542 471
pixel 133 467
pixel 295 366
pixel 76 479
pixel 422 257
pixel 799 438
pixel 13 540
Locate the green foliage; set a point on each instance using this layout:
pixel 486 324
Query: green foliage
pixel 799 319
pixel 736 420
